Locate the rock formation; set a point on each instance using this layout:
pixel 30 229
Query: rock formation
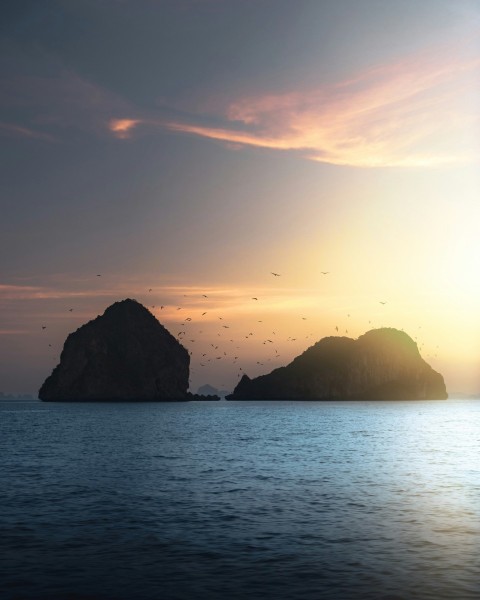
pixel 202 397
pixel 208 392
pixel 124 354
pixel 382 364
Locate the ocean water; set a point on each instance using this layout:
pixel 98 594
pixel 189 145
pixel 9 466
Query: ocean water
pixel 230 500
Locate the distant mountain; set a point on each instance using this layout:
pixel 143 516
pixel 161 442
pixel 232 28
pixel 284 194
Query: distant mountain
pixel 124 354
pixel 382 364
pixel 207 390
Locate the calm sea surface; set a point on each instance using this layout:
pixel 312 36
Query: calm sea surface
pixel 297 500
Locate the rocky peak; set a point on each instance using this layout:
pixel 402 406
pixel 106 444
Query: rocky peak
pixel 124 354
pixel 382 364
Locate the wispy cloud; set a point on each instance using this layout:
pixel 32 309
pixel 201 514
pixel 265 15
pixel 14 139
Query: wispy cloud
pixel 419 111
pixel 15 331
pixel 19 131
pixel 233 300
pixel 26 292
pixel 412 113
pixel 50 107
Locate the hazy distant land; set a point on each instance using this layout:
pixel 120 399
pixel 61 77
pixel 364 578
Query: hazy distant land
pixel 10 397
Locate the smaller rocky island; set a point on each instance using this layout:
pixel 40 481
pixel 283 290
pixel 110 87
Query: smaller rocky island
pixel 123 355
pixel 382 364
pixel 208 390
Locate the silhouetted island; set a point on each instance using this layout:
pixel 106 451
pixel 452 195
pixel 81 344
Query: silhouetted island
pixel 382 364
pixel 123 355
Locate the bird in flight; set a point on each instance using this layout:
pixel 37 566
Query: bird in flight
pixel 44 326
pixel 324 272
pixel 205 295
pixel 98 275
pixel 254 298
pixel 149 289
pixel 275 274
pixel 382 302
pixel 70 309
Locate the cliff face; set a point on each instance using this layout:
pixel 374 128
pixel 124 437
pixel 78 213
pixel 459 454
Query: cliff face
pixel 382 364
pixel 124 354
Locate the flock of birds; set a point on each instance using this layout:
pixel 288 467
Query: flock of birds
pixel 223 346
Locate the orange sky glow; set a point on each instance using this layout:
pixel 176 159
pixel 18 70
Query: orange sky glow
pixel 343 156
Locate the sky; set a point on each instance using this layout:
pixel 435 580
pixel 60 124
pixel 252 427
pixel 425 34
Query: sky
pixel 179 152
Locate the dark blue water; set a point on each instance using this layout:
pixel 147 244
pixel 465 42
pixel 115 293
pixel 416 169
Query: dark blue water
pixel 240 500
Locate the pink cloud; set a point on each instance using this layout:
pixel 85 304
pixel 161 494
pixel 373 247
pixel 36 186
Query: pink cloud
pixel 418 112
pixel 122 128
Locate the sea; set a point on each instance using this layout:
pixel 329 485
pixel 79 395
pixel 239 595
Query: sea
pixel 240 500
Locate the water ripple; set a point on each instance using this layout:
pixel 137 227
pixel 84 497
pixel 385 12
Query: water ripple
pixel 305 501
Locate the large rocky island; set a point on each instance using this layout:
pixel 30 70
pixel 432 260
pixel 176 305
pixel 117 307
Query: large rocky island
pixel 382 364
pixel 124 354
